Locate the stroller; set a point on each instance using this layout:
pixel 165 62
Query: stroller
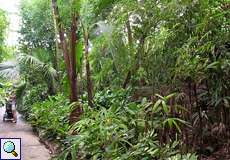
pixel 9 115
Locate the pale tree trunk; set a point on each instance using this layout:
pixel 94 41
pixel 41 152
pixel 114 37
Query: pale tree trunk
pixel 57 50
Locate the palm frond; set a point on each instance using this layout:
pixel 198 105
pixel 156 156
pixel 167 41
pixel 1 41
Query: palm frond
pixel 9 69
pixel 26 59
pixel 46 70
pixel 42 55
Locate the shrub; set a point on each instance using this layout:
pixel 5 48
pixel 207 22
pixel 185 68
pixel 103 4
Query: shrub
pixel 51 117
pixel 31 96
pixel 122 131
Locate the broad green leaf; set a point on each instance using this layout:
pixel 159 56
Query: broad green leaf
pixel 177 126
pixel 169 96
pixel 79 54
pixel 77 5
pixel 213 65
pixel 165 107
pixel 156 105
pixel 160 96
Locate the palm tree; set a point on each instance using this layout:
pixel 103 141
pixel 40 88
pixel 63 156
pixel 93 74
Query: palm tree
pixel 11 69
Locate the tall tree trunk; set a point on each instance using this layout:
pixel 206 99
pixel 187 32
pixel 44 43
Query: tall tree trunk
pixel 138 59
pixel 130 35
pixel 73 71
pixel 88 75
pixel 69 58
pixel 57 51
pixel 76 112
pixel 127 79
pixel 130 42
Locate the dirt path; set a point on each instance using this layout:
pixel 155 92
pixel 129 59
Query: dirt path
pixel 32 149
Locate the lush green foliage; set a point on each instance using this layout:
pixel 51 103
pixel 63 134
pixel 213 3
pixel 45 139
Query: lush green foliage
pixel 50 117
pixel 27 97
pixel 4 91
pixel 37 58
pixel 122 130
pixel 150 49
pixel 37 27
pixel 3 26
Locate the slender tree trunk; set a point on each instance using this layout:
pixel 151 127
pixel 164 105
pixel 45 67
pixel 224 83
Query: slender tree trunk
pixel 139 52
pixel 57 51
pixel 130 35
pixel 138 59
pixel 200 115
pixel 75 114
pixel 130 42
pixel 88 74
pixel 73 72
pixel 56 54
pixel 69 58
pixel 127 79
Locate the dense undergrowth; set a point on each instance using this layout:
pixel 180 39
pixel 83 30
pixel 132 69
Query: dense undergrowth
pixel 144 79
pixel 50 117
pixel 116 128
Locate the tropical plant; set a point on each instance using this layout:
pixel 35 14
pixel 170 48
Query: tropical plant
pixel 50 118
pixel 131 50
pixel 3 26
pixel 120 131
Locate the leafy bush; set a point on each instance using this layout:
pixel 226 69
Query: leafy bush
pixel 188 156
pixel 107 97
pixel 122 131
pixel 4 91
pixel 50 117
pixel 31 96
